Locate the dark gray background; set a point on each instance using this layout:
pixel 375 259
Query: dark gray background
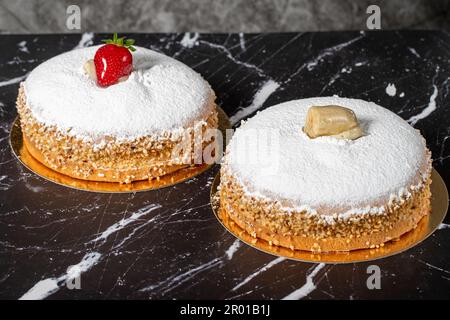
pixel 49 16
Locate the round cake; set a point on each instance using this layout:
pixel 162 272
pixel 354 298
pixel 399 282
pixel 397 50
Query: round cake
pixel 124 132
pixel 325 194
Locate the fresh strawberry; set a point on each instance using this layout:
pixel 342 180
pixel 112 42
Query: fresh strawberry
pixel 113 60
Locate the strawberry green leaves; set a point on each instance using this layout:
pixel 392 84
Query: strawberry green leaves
pixel 121 42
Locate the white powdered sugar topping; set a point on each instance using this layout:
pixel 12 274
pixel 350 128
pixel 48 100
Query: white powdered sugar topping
pixel 272 157
pixel 161 95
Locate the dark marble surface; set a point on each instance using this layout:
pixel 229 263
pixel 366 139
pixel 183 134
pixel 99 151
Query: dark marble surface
pixel 167 243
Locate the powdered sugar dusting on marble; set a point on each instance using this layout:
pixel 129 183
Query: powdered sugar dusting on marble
pixel 391 90
pixel 160 95
pixel 189 40
pixel 375 168
pixel 22 45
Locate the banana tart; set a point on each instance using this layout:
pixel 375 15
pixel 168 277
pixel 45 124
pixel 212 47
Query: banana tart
pixel 115 113
pixel 326 174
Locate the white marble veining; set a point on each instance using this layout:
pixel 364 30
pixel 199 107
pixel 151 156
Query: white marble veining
pixel 167 243
pixel 259 98
pixel 45 288
pixel 12 81
pixel 308 287
pixel 428 109
pixel 258 272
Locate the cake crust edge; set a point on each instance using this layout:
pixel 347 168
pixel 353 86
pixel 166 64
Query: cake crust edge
pixel 147 157
pixel 264 219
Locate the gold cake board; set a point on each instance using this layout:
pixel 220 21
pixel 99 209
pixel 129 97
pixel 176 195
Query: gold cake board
pixel 428 224
pixel 19 148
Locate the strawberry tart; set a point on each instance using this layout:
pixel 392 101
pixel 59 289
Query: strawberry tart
pixel 326 174
pixel 115 113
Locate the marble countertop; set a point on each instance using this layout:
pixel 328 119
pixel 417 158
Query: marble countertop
pixel 167 243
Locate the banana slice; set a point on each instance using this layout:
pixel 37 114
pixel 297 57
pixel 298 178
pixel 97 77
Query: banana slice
pixel 335 121
pixel 89 68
